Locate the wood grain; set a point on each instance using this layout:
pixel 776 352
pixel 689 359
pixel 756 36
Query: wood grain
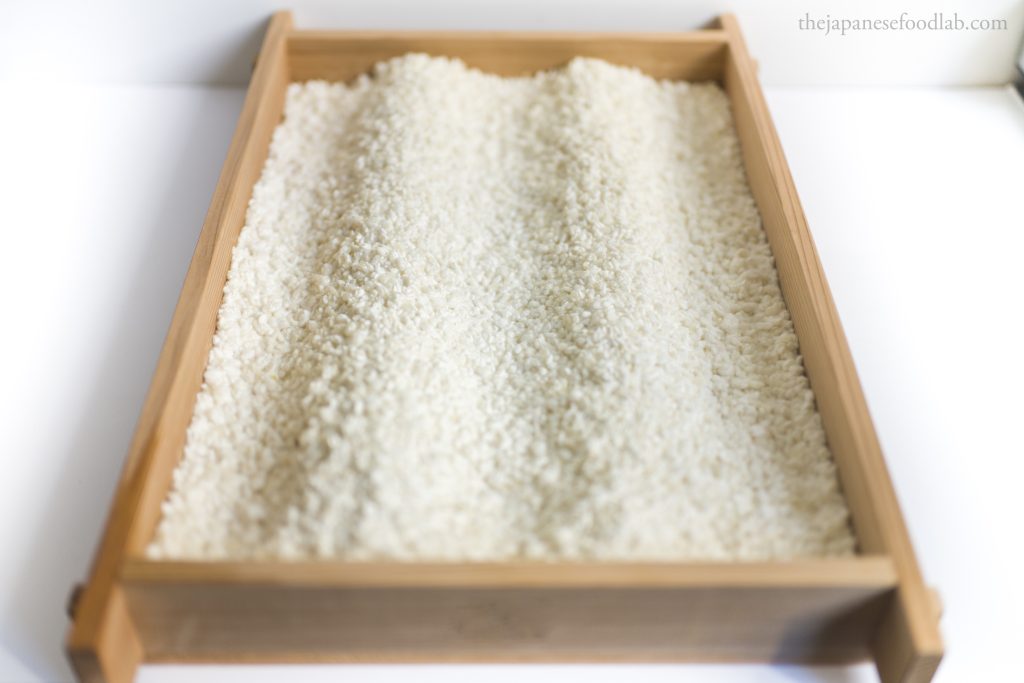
pixel 343 55
pixel 100 642
pixel 874 572
pixel 908 647
pixel 808 611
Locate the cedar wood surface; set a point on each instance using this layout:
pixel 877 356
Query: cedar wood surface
pixel 875 604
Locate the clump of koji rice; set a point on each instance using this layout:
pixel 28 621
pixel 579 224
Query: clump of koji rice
pixel 473 317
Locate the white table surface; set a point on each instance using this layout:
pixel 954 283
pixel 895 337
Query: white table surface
pixel 914 197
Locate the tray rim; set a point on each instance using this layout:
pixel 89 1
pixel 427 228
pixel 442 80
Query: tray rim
pixel 103 644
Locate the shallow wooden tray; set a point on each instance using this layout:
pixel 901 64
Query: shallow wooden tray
pixel 835 610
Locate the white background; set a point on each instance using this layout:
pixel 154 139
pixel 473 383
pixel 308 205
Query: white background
pixel 211 41
pixel 913 195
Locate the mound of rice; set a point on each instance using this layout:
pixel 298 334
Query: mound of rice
pixel 480 318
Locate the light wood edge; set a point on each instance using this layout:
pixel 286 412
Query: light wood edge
pixel 341 55
pixel 865 571
pixel 358 36
pixel 430 656
pixel 114 651
pixel 101 644
pixel 908 646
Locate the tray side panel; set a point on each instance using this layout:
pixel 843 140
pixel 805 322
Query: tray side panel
pixel 343 55
pixel 265 622
pixel 858 572
pixel 908 646
pixel 100 642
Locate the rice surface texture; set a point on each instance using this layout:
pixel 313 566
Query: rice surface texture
pixel 483 318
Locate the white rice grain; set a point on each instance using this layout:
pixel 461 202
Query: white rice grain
pixel 476 318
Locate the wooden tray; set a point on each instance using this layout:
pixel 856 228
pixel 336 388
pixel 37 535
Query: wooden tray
pixel 831 610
